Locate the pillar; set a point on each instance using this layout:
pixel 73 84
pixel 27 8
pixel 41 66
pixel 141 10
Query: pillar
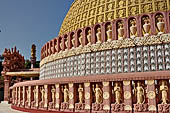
pixel 29 95
pixel 151 96
pixel 37 97
pixel 87 97
pixel 106 96
pixel 57 95
pixel 46 96
pixel 19 96
pixel 127 96
pixel 23 96
pixel 16 96
pixel 71 97
pixel 6 88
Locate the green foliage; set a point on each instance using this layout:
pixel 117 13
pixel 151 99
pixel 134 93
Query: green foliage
pixel 27 64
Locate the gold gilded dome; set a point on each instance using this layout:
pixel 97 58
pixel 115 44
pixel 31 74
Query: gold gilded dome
pixel 89 12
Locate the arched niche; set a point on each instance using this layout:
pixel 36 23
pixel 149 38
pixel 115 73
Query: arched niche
pixel 72 40
pixel 66 41
pixel 120 29
pixel 80 37
pixel 88 36
pixel 60 44
pixel 108 31
pixel 160 23
pixel 145 25
pixel 98 34
pixel 132 27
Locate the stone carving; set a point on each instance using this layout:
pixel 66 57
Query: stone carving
pixel 89 37
pixel 81 93
pixel 98 35
pixel 164 108
pixel 164 91
pixel 81 39
pixel 120 30
pixel 73 40
pixel 66 42
pixel 140 107
pixel 34 92
pixel 65 91
pixel 53 90
pixel 109 33
pixel 127 95
pixel 133 28
pixel 42 90
pixel 160 23
pixel 98 94
pixel 117 107
pixel 146 25
pixel 140 93
pixel 117 92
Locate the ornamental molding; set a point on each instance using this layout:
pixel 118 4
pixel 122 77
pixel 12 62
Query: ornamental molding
pixel 127 95
pixel 106 95
pixel 115 44
pixel 151 95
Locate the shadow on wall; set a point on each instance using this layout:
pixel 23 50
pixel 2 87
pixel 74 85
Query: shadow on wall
pixel 1 94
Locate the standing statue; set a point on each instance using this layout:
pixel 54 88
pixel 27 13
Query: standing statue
pixel 117 92
pixel 34 91
pixel 89 37
pixel 98 94
pixel 133 28
pixel 53 94
pixel 81 93
pixel 73 40
pixel 109 33
pixel 81 39
pixel 66 43
pixel 160 24
pixel 140 93
pixel 120 31
pixel 164 91
pixel 98 35
pixel 42 90
pixel 146 26
pixel 65 91
pixel 61 45
pixel 28 94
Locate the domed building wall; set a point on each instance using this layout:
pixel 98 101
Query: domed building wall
pixel 110 56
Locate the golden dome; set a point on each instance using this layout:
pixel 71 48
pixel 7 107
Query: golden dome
pixel 89 12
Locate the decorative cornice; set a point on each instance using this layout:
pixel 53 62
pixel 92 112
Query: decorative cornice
pixel 115 44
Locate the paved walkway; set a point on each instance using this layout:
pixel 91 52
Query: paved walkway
pixel 6 108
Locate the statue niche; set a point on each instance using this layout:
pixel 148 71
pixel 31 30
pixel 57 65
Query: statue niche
pixel 65 103
pixel 120 30
pixel 118 106
pixel 89 37
pixel 80 38
pixel 42 92
pixel 73 40
pixel 160 24
pixel 98 35
pixel 109 33
pixel 33 103
pixel 61 45
pixel 80 106
pixel 53 101
pixel 146 25
pixel 133 28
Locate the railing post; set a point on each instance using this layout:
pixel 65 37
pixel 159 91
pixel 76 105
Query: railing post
pixel 71 97
pixel 57 95
pixel 87 97
pixel 46 97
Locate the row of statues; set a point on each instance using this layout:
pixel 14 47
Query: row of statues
pixel 139 91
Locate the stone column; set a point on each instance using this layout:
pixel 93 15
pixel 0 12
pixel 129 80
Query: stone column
pixel 6 88
pixel 58 101
pixel 19 96
pixel 23 96
pixel 127 96
pixel 71 97
pixel 37 97
pixel 106 97
pixel 46 96
pixel 16 96
pixel 29 95
pixel 151 96
pixel 88 99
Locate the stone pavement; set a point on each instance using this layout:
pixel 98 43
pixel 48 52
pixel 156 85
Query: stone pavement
pixel 6 108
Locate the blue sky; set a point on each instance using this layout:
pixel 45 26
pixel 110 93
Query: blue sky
pixel 24 22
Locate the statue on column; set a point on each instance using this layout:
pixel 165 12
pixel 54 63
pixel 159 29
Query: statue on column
pixel 28 94
pixel 133 28
pixel 42 90
pixel 53 90
pixel 120 30
pixel 98 35
pixel 89 37
pixel 109 33
pixel 98 94
pixel 34 91
pixel 65 91
pixel 81 93
pixel 140 93
pixel 164 91
pixel 117 91
pixel 160 24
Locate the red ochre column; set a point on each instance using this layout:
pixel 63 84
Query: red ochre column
pixel 71 97
pixel 151 96
pixel 37 96
pixel 127 96
pixel 46 97
pixel 87 97
pixel 16 95
pixel 6 88
pixel 106 97
pixel 57 105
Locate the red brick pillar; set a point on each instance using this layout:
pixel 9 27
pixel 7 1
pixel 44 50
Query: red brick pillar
pixel 106 96
pixel 58 101
pixel 88 98
pixel 71 97
pixel 6 88
pixel 127 96
pixel 151 96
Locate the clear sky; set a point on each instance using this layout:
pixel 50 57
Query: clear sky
pixel 24 22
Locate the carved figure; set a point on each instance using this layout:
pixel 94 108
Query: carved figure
pixel 98 35
pixel 133 28
pixel 164 92
pixel 66 43
pixel 61 45
pixel 146 25
pixel 53 94
pixel 28 94
pixel 80 39
pixel 160 24
pixel 98 94
pixel 120 31
pixel 34 91
pixel 140 93
pixel 89 37
pixel 109 33
pixel 65 91
pixel 42 90
pixel 73 40
pixel 117 92
pixel 81 93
